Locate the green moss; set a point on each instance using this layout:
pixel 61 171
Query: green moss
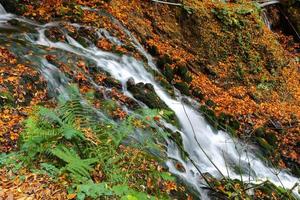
pixel 163 60
pixel 265 146
pixel 168 72
pixel 260 132
pixel 183 87
pixel 209 115
pixel 198 93
pixel 210 103
pixel 184 73
pixel 271 138
pixel 6 99
pixel 146 94
pixel 232 16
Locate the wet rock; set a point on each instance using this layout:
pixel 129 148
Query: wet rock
pixel 293 165
pixel 183 88
pixel 198 93
pixel 260 132
pixel 146 94
pixel 163 60
pixel 180 167
pixel 55 34
pixel 208 70
pixel 111 82
pixel 176 137
pixel 268 136
pixel 210 103
pixel 183 72
pixel 209 115
pixel 266 140
pixel 275 124
pixel 153 50
pixel 89 33
pixel 168 72
pixel 229 123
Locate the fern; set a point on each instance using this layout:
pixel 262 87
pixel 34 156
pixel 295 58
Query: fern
pixel 63 138
pixel 102 189
pixel 75 165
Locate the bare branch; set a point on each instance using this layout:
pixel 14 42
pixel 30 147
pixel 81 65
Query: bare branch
pixel 166 2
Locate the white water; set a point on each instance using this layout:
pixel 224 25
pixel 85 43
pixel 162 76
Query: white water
pixel 266 19
pixel 2 10
pixel 199 139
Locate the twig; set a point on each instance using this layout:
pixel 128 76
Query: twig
pixel 195 137
pixel 296 184
pixel 290 23
pixel 268 3
pixel 254 186
pixel 166 2
pixel 194 164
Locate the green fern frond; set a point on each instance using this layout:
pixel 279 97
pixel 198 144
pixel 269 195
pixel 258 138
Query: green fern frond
pixel 75 165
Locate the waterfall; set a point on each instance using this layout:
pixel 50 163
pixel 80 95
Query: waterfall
pixel 266 19
pixel 205 146
pixel 2 10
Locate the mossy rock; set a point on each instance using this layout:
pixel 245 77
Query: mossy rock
pixel 163 60
pixel 84 42
pixel 168 72
pixel 275 192
pixel 209 115
pixel 6 99
pixel 184 73
pixel 291 164
pixel 176 137
pixel 153 50
pixel 146 94
pixel 89 33
pixel 271 138
pixel 80 38
pixel 228 123
pixel 111 82
pixel 183 87
pixel 260 132
pixel 181 70
pixel 210 103
pixel 265 146
pixel 198 93
pixel 54 34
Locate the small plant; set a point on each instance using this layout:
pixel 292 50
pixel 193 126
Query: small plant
pixel 76 140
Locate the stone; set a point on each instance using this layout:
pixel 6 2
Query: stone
pixel 146 94
pixel 183 88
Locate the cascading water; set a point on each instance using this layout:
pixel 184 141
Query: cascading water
pixel 206 147
pixel 266 19
pixel 2 10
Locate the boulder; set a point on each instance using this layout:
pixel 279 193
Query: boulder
pixel 146 94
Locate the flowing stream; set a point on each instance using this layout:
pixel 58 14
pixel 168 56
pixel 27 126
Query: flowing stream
pixel 206 147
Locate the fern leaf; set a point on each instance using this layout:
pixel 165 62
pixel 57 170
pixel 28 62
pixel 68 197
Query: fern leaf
pixel 75 165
